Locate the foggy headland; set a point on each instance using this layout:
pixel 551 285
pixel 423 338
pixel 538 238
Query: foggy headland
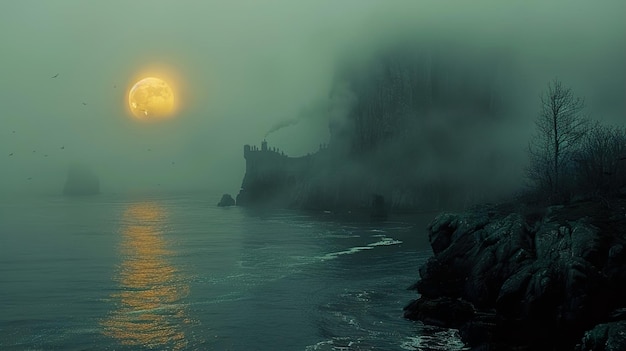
pixel 241 78
pixel 274 175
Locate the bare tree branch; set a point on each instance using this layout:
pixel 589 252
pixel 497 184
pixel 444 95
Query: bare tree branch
pixel 560 127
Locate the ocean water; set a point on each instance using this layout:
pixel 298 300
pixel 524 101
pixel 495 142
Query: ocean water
pixel 175 272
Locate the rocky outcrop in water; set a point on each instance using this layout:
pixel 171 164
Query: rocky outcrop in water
pixel 514 278
pixel 608 337
pixel 226 201
pixel 81 181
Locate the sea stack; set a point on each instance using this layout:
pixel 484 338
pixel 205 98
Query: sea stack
pixel 226 201
pixel 81 181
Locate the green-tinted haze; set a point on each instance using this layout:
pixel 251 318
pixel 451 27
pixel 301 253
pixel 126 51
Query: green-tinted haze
pixel 247 66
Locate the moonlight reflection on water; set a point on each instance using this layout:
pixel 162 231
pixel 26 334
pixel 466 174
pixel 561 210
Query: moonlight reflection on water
pixel 148 310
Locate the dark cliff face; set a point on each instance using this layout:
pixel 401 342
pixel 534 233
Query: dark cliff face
pixel 403 124
pixel 414 122
pixel 274 179
pixel 394 95
pixel 510 279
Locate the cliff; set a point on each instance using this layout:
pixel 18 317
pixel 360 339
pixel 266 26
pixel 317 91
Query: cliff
pixel 510 277
pixel 275 179
pixel 404 125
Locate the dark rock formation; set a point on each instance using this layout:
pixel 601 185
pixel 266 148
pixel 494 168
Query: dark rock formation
pixel 608 337
pixel 226 200
pixel 275 179
pixel 509 279
pixel 442 311
pixel 379 211
pixel 81 181
pixel 391 115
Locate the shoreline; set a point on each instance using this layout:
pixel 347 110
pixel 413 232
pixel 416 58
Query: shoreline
pixel 528 277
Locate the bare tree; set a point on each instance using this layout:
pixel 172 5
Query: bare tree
pixel 601 160
pixel 560 126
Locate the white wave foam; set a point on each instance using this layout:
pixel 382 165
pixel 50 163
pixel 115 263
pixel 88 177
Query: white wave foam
pixel 332 255
pixel 385 241
pixel 340 344
pixel 446 340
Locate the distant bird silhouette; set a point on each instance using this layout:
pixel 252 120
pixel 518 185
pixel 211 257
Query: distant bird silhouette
pixel 46 155
pixel 34 151
pixel 62 147
pixel 11 154
pixel 84 104
pixel 149 149
pixel 114 86
pixel 13 132
pixel 54 76
pixel 29 178
pixel 173 162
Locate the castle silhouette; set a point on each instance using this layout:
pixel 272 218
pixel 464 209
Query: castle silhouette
pixel 273 178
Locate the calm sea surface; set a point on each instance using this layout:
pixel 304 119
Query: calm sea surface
pixel 176 272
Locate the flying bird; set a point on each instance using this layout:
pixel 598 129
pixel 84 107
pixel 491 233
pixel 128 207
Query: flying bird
pixel 29 178
pixel 62 147
pixel 46 155
pixel 54 76
pixel 84 104
pixel 11 154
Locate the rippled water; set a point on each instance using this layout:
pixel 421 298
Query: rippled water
pixel 179 273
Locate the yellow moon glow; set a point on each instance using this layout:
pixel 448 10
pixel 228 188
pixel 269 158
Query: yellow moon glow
pixel 151 98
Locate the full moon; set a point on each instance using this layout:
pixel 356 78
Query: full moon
pixel 151 98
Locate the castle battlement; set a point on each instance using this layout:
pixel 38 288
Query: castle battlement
pixel 270 173
pixel 249 150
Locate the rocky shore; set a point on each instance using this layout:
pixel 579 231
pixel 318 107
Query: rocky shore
pixel 518 277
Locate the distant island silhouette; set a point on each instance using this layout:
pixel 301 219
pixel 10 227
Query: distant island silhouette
pixel 81 181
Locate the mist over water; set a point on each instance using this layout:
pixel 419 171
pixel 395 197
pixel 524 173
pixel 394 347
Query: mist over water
pixel 152 263
pixel 176 272
pixel 248 69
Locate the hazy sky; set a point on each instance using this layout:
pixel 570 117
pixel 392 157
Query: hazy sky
pixel 242 67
